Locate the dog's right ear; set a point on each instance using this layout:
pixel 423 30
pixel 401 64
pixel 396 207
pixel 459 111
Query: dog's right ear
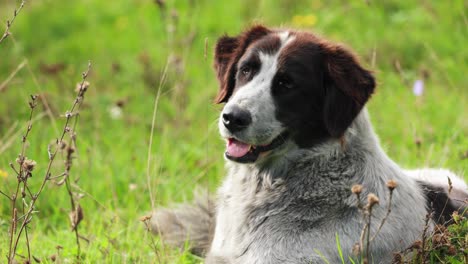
pixel 228 51
pixel 224 52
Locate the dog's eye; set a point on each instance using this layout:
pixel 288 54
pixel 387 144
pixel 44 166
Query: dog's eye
pixel 284 83
pixel 246 70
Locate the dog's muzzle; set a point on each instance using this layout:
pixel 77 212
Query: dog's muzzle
pixel 245 153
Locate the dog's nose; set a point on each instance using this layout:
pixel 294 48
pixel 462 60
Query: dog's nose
pixel 236 119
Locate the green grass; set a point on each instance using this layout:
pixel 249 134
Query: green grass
pixel 135 37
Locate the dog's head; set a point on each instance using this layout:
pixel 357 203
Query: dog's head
pixel 281 85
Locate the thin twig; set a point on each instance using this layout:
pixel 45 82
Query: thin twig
pixel 43 99
pixel 13 137
pixel 10 22
pixel 21 179
pixel 423 238
pixel 206 49
pixel 368 233
pixel 154 246
pixel 449 191
pixel 153 121
pixel 4 84
pixel 6 195
pixel 391 186
pixel 76 214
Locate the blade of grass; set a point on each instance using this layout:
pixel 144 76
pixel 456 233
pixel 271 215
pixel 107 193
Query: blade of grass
pixel 338 246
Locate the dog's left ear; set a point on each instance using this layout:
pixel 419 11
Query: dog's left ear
pixel 348 87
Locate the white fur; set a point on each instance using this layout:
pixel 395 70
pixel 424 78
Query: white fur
pixel 255 97
pixel 438 177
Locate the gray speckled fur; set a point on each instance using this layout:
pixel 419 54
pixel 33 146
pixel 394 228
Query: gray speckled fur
pixel 288 208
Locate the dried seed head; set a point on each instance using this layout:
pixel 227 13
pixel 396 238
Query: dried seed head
pixel 418 142
pixel 356 189
pixel 20 159
pixel 63 145
pixel 145 218
pixel 29 164
pixel 70 150
pixel 450 185
pixel 397 258
pixel 452 250
pixel 439 240
pixel 417 244
pixel 82 87
pixel 391 185
pixel 76 216
pixel 356 249
pixel 372 199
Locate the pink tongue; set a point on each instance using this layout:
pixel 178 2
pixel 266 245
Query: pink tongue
pixel 236 148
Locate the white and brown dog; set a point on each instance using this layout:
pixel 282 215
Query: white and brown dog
pixel 298 137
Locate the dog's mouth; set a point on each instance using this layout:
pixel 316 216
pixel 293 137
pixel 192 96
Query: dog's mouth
pixel 246 153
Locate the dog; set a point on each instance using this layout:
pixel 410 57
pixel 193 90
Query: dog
pixel 298 137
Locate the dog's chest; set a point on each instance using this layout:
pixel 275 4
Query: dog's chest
pixel 243 205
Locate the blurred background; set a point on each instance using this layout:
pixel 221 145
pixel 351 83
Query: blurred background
pixel 417 50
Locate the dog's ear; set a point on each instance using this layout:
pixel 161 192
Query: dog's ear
pixel 348 87
pixel 228 51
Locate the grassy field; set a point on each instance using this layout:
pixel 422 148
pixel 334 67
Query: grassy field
pixel 130 43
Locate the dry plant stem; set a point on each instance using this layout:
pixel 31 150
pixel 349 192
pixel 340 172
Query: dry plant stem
pixel 423 239
pixel 206 49
pixel 389 210
pixel 368 233
pixel 10 77
pixel 10 22
pixel 153 121
pixel 447 200
pixel 43 99
pixel 26 229
pixel 70 149
pixel 68 163
pixel 52 154
pixel 22 180
pixel 11 137
pixel 153 243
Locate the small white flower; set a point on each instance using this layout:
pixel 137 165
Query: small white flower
pixel 132 186
pixel 115 112
pixel 418 87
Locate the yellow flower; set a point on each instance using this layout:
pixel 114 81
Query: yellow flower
pixel 304 21
pixel 3 174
